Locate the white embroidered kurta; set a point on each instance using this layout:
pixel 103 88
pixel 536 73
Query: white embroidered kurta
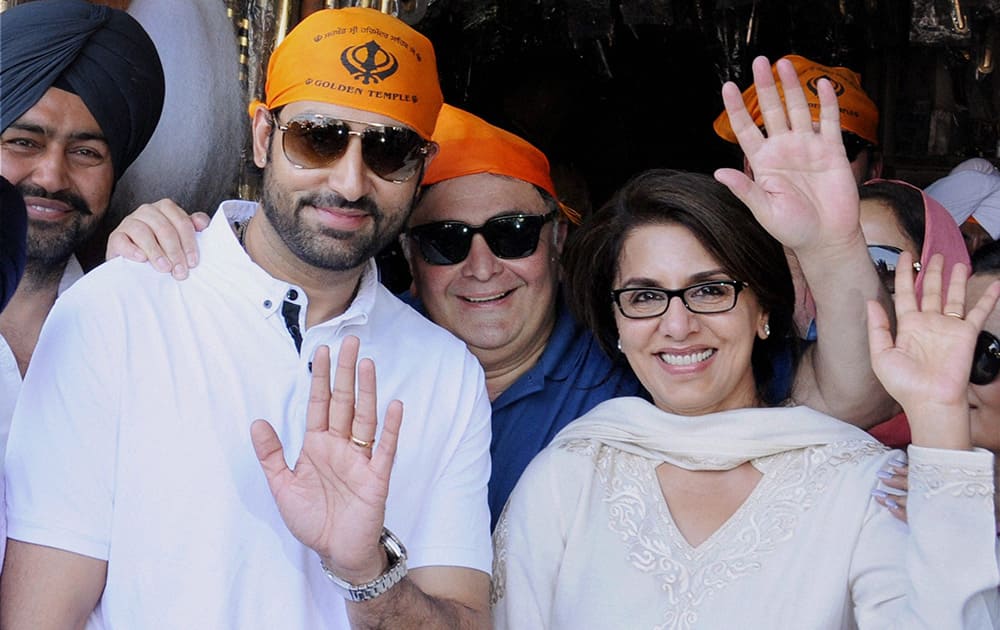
pixel 587 540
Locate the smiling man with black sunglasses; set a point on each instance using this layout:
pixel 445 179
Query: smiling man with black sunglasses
pixel 483 245
pixel 142 490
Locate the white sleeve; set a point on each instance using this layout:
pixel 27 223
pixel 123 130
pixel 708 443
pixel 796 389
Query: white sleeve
pixel 456 529
pixel 942 571
pixel 529 543
pixel 61 455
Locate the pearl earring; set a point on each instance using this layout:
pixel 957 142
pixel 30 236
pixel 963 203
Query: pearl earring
pixel 619 344
pixel 767 330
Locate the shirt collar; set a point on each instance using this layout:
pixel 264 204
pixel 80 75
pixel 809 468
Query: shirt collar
pixel 222 253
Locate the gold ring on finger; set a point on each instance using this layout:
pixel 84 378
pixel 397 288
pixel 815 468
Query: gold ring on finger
pixel 362 443
pixel 954 314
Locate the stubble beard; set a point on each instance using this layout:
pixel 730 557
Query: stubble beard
pixel 51 245
pixel 326 248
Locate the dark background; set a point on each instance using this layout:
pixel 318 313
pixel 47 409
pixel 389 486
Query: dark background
pixel 607 89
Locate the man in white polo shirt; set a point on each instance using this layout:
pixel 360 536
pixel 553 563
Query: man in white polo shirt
pixel 135 492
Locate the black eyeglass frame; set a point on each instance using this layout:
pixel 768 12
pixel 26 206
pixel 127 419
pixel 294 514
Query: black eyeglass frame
pixel 737 285
pixel 533 221
pixel 411 161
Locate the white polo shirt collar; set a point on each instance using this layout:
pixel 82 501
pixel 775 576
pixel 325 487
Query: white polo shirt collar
pixel 223 254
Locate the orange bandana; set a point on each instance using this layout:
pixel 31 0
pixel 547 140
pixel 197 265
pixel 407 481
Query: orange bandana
pixel 359 58
pixel 858 114
pixel 469 145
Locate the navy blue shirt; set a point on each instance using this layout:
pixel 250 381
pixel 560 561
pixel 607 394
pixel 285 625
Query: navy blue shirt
pixel 572 376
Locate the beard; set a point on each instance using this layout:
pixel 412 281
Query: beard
pixel 50 245
pixel 324 247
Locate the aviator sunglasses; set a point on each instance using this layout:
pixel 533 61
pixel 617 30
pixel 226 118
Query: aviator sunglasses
pixel 316 141
pixel 886 257
pixel 509 236
pixel 986 360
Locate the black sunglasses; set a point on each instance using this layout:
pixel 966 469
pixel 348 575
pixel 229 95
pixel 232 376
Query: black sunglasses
pixel 854 145
pixel 316 141
pixel 509 236
pixel 986 360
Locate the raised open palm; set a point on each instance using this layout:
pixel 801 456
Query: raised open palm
pixel 803 190
pixel 333 501
pixel 926 367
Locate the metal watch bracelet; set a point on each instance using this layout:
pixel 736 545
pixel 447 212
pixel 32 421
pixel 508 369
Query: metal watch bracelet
pixel 396 553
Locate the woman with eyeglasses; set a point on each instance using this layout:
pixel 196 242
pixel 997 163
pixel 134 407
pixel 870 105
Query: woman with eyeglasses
pixel 716 505
pixel 897 217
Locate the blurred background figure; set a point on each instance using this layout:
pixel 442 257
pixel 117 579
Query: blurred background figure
pixel 971 193
pixel 13 234
pixel 859 117
pixel 897 217
pixel 194 155
pixel 858 113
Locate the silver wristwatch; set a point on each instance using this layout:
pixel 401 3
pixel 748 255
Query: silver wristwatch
pixel 396 552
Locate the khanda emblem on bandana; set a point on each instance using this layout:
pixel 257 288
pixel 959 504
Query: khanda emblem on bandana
pixel 369 62
pixel 837 87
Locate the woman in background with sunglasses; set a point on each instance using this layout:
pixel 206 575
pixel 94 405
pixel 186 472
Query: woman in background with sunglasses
pixel 714 506
pixel 897 217
pixel 983 389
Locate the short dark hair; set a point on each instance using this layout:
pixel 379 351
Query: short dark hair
pixel 720 222
pixel 907 204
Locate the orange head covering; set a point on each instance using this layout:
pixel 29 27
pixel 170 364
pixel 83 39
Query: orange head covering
pixel 858 114
pixel 468 145
pixel 359 58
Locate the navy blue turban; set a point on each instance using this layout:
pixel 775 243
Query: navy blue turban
pixel 98 53
pixel 13 232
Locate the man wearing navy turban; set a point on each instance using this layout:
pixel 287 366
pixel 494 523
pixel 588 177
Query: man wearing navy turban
pixel 81 90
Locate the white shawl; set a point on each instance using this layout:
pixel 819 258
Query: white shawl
pixel 717 441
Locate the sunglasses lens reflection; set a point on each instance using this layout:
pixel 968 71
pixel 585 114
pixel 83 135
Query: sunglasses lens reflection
pixel 392 153
pixel 885 258
pixel 513 237
pixel 444 243
pixel 986 360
